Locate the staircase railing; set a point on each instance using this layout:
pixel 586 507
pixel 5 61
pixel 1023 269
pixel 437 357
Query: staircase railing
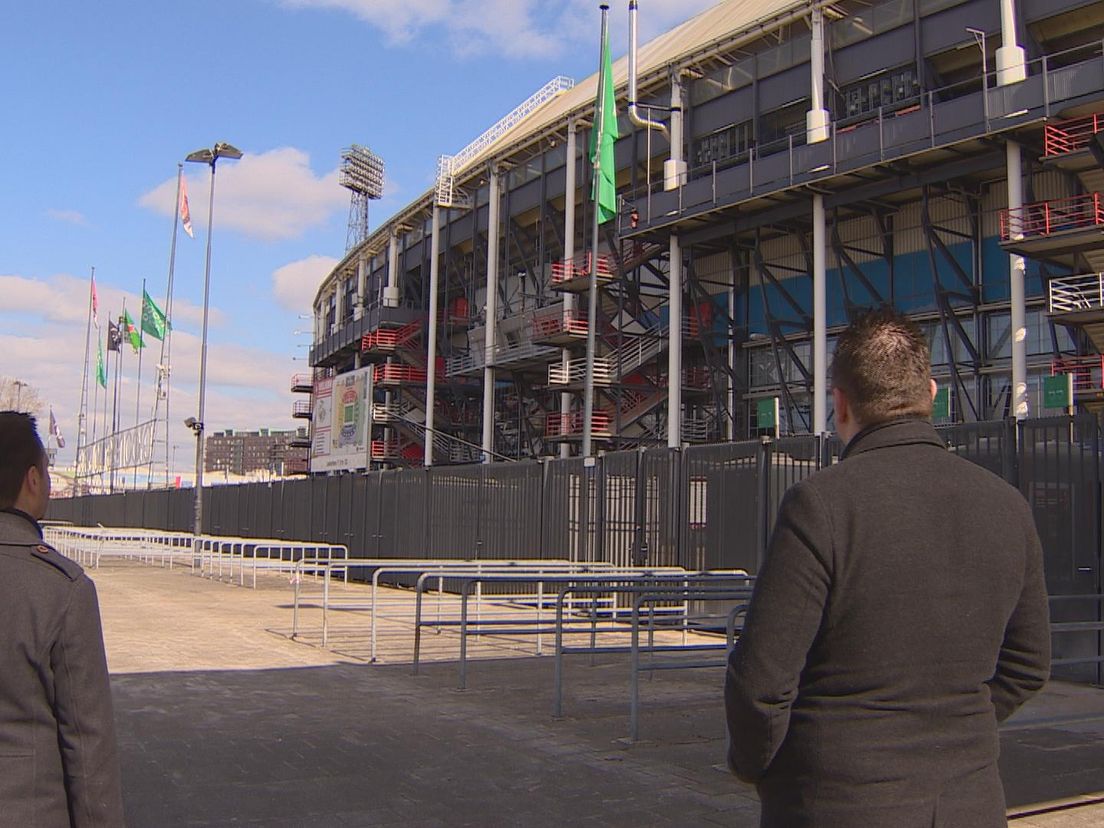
pixel 1067 294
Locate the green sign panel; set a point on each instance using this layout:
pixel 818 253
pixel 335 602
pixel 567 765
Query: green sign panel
pixel 1058 391
pixel 766 413
pixel 941 405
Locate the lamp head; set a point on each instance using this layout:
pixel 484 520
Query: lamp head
pixel 200 156
pixel 224 150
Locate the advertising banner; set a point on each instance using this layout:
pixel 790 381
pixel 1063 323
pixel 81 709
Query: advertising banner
pixel 340 422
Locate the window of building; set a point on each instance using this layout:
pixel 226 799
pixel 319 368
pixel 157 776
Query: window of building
pixel 888 90
pixel 732 142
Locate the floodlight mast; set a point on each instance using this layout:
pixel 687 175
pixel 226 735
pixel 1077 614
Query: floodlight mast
pixel 362 175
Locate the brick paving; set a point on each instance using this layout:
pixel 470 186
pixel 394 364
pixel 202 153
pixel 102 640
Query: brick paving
pixel 225 721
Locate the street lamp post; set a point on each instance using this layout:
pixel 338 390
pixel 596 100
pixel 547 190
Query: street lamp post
pixel 209 157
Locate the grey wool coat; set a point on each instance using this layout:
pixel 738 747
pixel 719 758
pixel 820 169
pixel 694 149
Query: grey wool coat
pixel 901 613
pixel 58 760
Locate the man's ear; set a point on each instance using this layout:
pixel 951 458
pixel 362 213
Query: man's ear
pixel 934 390
pixel 843 410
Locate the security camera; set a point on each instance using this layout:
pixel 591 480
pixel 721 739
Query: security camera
pixel 191 422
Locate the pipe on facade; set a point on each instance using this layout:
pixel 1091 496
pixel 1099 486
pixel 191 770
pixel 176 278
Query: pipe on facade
pixel 391 292
pixel 634 113
pixel 816 119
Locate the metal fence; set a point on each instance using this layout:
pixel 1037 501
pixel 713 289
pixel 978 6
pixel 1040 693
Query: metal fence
pixel 704 507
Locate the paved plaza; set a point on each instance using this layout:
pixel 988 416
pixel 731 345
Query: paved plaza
pixel 224 720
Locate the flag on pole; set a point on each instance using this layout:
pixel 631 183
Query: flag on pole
pixel 55 429
pixel 131 330
pixel 185 213
pixel 602 138
pixel 114 336
pixel 101 370
pixel 95 305
pixel 153 318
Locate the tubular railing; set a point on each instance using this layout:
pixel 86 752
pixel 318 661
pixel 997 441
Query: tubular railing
pixel 1076 293
pixel 1069 136
pixel 1088 371
pixel 1044 218
pixel 565 425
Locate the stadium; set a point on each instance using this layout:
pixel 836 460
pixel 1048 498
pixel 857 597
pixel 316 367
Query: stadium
pixel 780 167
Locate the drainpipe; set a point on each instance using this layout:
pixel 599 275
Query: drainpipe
pixel 674 172
pixel 1011 69
pixel 431 343
pixel 634 113
pixel 491 324
pixel 569 254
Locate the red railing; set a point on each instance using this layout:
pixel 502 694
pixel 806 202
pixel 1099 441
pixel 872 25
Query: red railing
pixel 385 449
pixel 1088 371
pixel 696 377
pixel 1070 136
pixel 388 339
pixel 302 381
pixel 578 267
pixel 556 323
pixel 564 425
pixel 399 373
pixel 1044 218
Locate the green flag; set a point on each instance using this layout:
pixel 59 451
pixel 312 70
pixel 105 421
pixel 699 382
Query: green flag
pixel 101 371
pixel 153 318
pixel 602 139
pixel 131 331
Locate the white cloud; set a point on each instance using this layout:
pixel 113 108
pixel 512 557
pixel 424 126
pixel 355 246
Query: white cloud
pixel 69 216
pixel 520 29
pixel 42 342
pixel 295 284
pixel 270 195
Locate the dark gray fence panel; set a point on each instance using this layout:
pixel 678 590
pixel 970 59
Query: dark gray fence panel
pixel 1060 477
pixel 621 510
pixel 721 516
pixel 991 445
pixel 510 520
pixel 660 487
pixel 569 509
pixel 453 517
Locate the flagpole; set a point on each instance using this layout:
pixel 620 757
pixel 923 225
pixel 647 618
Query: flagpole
pixel 83 414
pixel 592 308
pixel 138 384
pixel 95 403
pixel 163 369
pixel 115 400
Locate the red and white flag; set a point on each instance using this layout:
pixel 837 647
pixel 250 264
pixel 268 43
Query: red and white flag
pixel 95 305
pixel 55 429
pixel 185 213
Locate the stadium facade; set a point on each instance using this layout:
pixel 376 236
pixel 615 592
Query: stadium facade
pixel 785 166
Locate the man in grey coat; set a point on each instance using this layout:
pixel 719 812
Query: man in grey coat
pixel 901 613
pixel 58 761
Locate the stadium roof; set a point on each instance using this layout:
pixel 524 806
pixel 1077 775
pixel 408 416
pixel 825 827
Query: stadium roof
pixel 724 26
pixel 701 34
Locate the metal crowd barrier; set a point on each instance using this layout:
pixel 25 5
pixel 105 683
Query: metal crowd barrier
pixel 438 571
pixel 206 555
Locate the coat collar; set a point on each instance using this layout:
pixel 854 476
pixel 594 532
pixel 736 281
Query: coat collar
pixel 18 528
pixel 902 432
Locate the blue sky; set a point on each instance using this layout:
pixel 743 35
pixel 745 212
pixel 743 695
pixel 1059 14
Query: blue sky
pixel 103 99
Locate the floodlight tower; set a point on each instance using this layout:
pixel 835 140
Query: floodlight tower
pixel 362 175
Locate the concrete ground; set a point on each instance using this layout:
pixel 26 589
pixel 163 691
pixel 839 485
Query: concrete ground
pixel 223 720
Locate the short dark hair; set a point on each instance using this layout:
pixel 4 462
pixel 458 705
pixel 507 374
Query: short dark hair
pixel 20 448
pixel 883 364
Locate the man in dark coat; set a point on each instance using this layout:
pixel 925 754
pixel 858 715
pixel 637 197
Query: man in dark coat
pixel 901 613
pixel 58 761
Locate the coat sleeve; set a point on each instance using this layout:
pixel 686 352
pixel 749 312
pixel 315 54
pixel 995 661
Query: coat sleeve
pixel 1023 664
pixel 785 615
pixel 86 724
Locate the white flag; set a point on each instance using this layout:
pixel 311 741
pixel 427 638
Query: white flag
pixel 185 213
